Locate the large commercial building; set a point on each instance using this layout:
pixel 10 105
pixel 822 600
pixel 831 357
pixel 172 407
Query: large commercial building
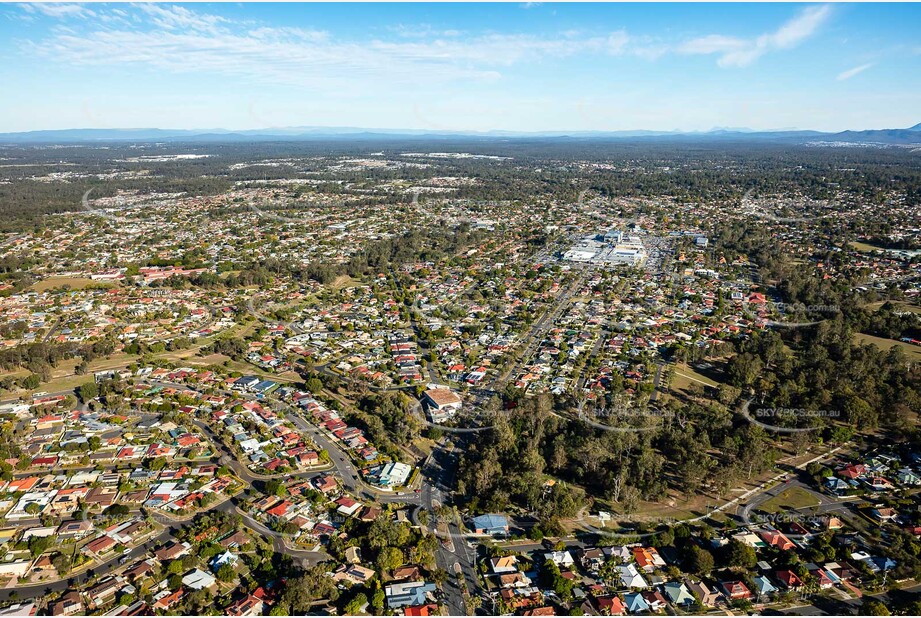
pixel 442 404
pixel 614 248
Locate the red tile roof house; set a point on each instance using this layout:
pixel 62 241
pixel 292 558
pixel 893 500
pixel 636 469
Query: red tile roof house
pixel 326 483
pixel 611 606
pixel 647 558
pixel 280 509
pixel 853 471
pixel 187 440
pixel 777 539
pixel 310 458
pixel 172 551
pixel 822 577
pixel 167 601
pixel 323 529
pixel 421 610
pixel 273 464
pixel 736 590
pixel 789 579
pixel 347 506
pixel 247 606
pixel 100 545
pixel 157 450
pixel 45 462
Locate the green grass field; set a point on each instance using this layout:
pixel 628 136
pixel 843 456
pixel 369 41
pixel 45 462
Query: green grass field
pixel 913 352
pixel 794 498
pixel 75 283
pixel 864 247
pixel 900 306
pixel 685 376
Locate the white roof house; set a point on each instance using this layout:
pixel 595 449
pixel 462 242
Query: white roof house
pixel 395 474
pixel 198 580
pixel 630 577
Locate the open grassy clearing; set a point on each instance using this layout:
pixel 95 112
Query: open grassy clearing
pixel 74 283
pixel 789 499
pixel 864 247
pixel 684 376
pixel 344 281
pixel 913 352
pixel 900 306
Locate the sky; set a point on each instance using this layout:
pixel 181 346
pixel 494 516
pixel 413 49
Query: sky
pixel 466 67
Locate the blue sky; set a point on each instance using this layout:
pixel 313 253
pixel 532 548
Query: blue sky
pixel 522 67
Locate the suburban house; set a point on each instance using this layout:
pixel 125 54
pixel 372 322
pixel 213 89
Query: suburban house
pixel 678 593
pixel 630 577
pixel 442 404
pixel 490 524
pixel 247 606
pixel 708 598
pixel 408 593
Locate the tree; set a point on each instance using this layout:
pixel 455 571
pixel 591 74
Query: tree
pixel 226 573
pixel 118 510
pixel 38 545
pixel 356 604
pixel 315 385
pixel 873 607
pixel 738 554
pixel 275 487
pixel 728 394
pixel 62 563
pixel 700 561
pixel 389 558
pixel 31 382
pixel 377 600
pixel 423 517
pixel 302 591
pixel 88 391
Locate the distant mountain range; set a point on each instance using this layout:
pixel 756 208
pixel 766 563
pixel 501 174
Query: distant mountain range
pixel 911 135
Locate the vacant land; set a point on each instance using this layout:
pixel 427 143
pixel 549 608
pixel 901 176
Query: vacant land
pixel 864 247
pixel 73 283
pixel 912 351
pixel 793 498
pixel 685 376
pixel 900 306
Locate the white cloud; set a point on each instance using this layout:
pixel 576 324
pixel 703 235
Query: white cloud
pixel 182 40
pixel 58 10
pixel 178 39
pixel 173 17
pixel 617 42
pixel 797 29
pixel 738 52
pixel 845 75
pixel 713 44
